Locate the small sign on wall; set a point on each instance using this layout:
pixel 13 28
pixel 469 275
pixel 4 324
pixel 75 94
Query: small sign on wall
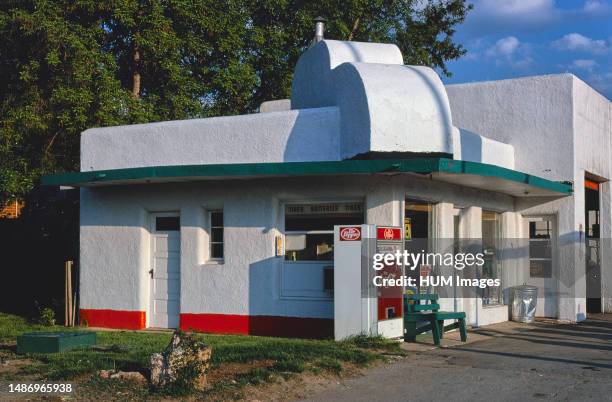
pixel 280 245
pixel 350 233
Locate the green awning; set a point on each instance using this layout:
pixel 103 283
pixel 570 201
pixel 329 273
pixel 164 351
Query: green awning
pixel 470 174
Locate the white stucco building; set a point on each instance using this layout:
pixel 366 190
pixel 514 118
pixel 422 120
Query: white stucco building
pixel 180 220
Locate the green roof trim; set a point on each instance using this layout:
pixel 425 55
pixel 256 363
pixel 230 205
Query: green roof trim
pixel 254 170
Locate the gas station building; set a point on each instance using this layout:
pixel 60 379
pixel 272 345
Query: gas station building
pixel 226 224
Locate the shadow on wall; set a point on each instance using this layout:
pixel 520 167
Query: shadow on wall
pixel 264 295
pixel 471 146
pixel 315 136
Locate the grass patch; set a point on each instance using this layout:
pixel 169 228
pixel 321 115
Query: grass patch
pixel 327 363
pixel 131 350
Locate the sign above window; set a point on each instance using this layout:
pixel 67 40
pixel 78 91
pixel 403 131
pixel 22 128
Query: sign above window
pixel 323 209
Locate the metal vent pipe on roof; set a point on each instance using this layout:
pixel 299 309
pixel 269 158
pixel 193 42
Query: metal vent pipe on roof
pixel 319 29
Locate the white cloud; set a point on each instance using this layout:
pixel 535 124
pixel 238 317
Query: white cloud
pixel 595 6
pixel 519 7
pixel 577 42
pixel 583 64
pixel 504 47
pixel 494 17
pixel 510 51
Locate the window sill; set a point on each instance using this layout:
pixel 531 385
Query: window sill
pixel 213 263
pixel 492 306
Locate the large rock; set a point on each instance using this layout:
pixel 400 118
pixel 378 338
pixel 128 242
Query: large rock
pixel 185 359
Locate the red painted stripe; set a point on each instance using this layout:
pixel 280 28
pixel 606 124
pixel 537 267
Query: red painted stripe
pixel 113 318
pixel 294 327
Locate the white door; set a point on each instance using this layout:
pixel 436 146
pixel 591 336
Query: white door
pixel 165 271
pixel 543 260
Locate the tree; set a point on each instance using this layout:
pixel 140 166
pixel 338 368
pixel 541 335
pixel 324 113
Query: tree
pixel 70 65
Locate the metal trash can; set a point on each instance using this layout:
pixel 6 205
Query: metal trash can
pixel 524 302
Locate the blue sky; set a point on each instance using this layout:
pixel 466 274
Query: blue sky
pixel 514 38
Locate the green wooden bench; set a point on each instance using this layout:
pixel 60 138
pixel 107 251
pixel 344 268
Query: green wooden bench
pixel 416 314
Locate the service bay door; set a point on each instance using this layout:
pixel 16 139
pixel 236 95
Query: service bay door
pixel 165 271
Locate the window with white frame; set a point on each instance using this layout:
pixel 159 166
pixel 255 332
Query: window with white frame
pixel 540 247
pixel 215 219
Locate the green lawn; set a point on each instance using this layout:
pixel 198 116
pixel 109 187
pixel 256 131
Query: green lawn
pixel 130 351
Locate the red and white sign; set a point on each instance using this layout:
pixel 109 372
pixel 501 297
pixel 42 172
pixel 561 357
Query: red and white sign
pixel 386 233
pixel 350 234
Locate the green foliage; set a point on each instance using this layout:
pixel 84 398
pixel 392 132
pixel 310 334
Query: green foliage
pixel 373 342
pixel 68 65
pixel 47 317
pixel 326 363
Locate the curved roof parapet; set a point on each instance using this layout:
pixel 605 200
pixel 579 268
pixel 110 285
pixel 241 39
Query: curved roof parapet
pixel 312 84
pixel 385 106
pixel 392 108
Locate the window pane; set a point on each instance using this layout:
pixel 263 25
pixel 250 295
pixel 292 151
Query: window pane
pixel 216 235
pixel 295 242
pixel 318 247
pixel 540 249
pixel 416 220
pixel 216 250
pixel 216 219
pixel 167 223
pixel 540 268
pixel 539 230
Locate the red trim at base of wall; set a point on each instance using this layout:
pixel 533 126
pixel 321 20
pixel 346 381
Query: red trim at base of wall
pixel 113 318
pixel 294 327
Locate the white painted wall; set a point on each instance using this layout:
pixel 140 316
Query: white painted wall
pixel 560 128
pixel 115 249
pixel 469 146
pixel 532 114
pixel 289 136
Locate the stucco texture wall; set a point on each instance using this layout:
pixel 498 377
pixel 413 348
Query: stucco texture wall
pixel 115 238
pixel 560 129
pixel 288 136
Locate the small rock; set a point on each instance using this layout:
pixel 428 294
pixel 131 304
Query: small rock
pixel 122 375
pixel 129 375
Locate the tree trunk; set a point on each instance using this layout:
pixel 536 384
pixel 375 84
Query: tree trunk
pixel 136 73
pixel 354 30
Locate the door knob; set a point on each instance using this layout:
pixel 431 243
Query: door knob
pixel 151 272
